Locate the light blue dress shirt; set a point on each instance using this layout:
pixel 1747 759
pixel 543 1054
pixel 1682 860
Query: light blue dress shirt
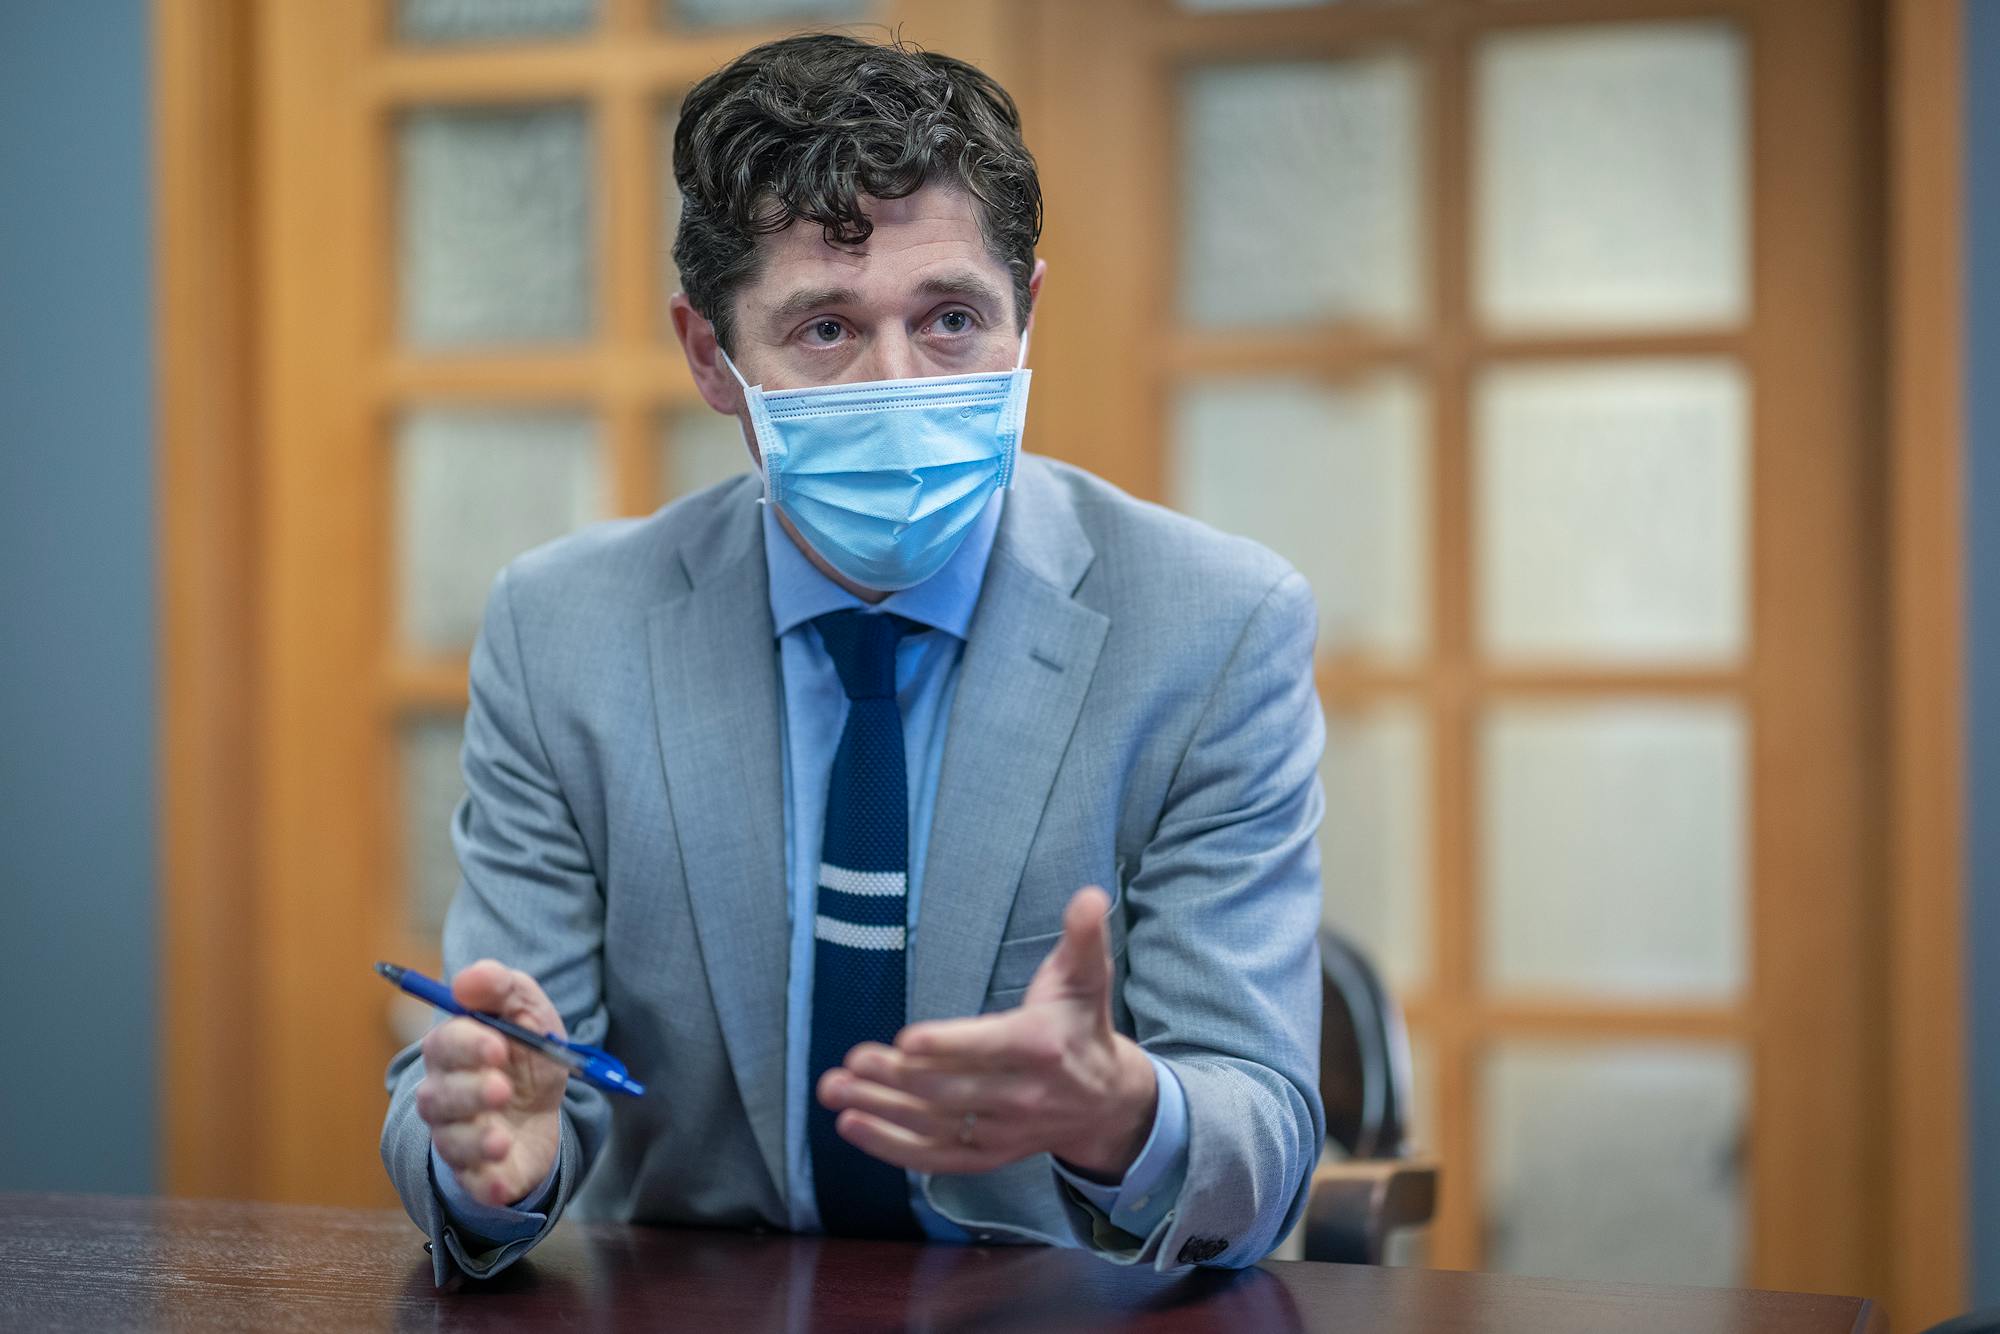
pixel 815 708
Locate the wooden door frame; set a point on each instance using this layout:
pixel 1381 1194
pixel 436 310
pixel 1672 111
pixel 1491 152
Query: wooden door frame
pixel 237 330
pixel 206 326
pixel 253 326
pixel 1928 1118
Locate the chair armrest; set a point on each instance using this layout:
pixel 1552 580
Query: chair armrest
pixel 1354 1205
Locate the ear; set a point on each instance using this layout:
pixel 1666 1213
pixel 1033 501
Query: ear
pixel 1034 301
pixel 718 388
pixel 703 351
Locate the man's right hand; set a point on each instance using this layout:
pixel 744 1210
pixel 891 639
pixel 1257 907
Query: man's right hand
pixel 494 1107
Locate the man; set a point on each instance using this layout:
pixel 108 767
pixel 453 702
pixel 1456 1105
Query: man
pixel 935 840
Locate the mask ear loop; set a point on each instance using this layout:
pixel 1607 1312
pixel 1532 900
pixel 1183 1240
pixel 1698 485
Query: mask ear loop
pixel 758 420
pixel 732 369
pixel 1013 415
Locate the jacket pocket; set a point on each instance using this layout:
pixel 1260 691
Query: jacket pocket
pixel 1018 957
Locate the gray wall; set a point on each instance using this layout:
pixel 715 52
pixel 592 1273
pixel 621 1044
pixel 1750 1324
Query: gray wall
pixel 1982 499
pixel 77 920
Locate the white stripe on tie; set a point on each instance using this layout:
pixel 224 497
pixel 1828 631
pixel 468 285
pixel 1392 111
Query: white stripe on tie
pixel 836 932
pixel 860 882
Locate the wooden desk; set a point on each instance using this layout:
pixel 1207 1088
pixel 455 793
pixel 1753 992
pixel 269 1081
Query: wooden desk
pixel 100 1263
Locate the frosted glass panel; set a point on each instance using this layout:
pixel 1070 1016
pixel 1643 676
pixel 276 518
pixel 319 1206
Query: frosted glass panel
pixel 1423 1131
pixel 1612 177
pixel 427 750
pixel 1614 849
pixel 1333 479
pixel 1613 512
pixel 1299 189
pixel 474 488
pixel 1375 840
pixel 698 448
pixel 1616 1163
pixel 730 13
pixel 495 225
pixel 491 20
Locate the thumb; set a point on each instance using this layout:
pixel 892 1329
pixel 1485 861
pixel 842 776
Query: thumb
pixel 491 986
pixel 1080 964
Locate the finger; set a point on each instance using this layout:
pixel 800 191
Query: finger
pixel 460 1095
pixel 508 992
pixel 1080 964
pixel 472 1144
pixel 1017 1040
pixel 913 1152
pixel 463 1044
pixel 989 1093
pixel 485 985
pixel 840 1090
pixel 957 1086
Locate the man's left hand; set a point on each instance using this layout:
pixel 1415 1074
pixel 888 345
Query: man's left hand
pixel 1050 1076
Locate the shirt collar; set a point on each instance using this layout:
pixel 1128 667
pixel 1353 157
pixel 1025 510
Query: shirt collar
pixel 944 601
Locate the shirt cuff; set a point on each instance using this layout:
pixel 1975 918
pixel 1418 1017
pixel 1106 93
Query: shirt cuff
pixel 496 1223
pixel 1152 1183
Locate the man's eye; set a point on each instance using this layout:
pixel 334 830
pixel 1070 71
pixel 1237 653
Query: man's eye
pixel 955 321
pixel 826 331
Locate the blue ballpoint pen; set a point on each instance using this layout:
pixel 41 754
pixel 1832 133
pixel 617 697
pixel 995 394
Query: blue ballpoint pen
pixel 591 1064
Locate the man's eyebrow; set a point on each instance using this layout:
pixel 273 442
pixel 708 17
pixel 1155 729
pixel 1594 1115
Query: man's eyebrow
pixel 964 284
pixel 969 285
pixel 808 299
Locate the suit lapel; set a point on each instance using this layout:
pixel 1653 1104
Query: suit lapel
pixel 716 704
pixel 1029 658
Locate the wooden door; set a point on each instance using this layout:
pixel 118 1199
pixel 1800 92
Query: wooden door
pixel 462 216
pixel 1537 334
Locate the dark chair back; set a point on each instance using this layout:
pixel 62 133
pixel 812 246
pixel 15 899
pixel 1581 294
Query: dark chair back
pixel 1358 1202
pixel 1364 1054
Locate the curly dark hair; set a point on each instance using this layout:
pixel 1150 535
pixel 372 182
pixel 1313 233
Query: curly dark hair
pixel 802 127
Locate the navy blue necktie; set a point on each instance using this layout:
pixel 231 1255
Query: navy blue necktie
pixel 858 974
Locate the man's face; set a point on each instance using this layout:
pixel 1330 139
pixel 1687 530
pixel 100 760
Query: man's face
pixel 922 296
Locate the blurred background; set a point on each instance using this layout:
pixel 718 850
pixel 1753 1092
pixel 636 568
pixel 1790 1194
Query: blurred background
pixel 1610 367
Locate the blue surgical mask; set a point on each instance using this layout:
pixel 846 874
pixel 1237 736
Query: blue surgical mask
pixel 884 478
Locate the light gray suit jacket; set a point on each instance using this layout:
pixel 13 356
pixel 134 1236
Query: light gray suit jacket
pixel 1135 709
